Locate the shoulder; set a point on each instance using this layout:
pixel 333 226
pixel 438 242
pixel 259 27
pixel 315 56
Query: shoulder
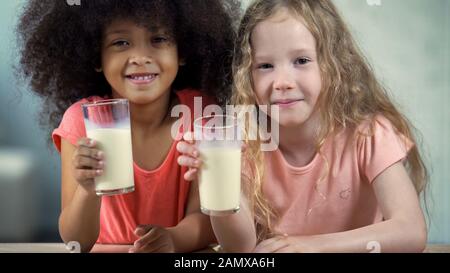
pixel 375 125
pixel 72 123
pixel 76 111
pixel 379 145
pixel 382 129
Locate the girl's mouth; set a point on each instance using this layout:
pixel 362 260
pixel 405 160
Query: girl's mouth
pixel 141 78
pixel 286 103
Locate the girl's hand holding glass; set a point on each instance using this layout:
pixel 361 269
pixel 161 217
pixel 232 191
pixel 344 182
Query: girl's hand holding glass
pixel 190 156
pixel 88 163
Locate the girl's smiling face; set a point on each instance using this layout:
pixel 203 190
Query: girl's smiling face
pixel 138 64
pixel 285 70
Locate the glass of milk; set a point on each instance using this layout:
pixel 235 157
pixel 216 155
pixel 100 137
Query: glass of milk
pixel 108 123
pixel 218 141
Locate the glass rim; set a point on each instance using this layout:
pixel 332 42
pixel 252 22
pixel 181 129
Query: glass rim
pixel 104 102
pixel 196 125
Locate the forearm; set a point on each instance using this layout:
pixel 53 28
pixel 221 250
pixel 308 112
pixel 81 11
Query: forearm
pixel 80 221
pixel 194 232
pixel 388 236
pixel 235 232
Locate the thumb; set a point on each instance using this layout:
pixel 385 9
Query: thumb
pixel 189 137
pixel 244 147
pixel 141 230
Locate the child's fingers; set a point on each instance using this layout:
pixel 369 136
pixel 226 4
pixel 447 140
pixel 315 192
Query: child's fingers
pixel 244 147
pixel 83 162
pixel 187 149
pixel 89 152
pixel 269 245
pixel 189 161
pixel 189 137
pixel 191 174
pixel 87 142
pixel 141 230
pixel 83 174
pixel 153 234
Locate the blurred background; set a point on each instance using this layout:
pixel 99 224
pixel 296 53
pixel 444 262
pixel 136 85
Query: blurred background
pixel 406 41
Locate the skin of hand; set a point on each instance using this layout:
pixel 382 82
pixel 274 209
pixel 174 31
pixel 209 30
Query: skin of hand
pixel 190 156
pixel 152 239
pixel 285 244
pixel 88 162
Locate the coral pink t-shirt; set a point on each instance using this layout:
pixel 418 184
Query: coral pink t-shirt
pixel 160 195
pixel 333 193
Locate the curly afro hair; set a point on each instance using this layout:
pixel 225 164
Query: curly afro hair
pixel 60 46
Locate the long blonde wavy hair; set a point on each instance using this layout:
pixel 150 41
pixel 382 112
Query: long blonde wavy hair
pixel 350 91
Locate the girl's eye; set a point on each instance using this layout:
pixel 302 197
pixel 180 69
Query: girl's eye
pixel 264 66
pixel 159 39
pixel 120 43
pixel 302 61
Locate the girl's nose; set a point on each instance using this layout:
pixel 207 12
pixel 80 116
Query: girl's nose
pixel 283 81
pixel 140 60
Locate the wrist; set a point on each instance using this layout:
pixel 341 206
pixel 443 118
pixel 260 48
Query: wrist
pixel 88 193
pixel 172 231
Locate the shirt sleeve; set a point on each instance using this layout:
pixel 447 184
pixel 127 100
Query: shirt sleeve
pixel 379 147
pixel 71 127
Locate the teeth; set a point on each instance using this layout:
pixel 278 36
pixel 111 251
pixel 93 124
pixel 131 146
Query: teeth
pixel 142 78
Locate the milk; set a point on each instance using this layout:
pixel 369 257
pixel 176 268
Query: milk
pixel 220 178
pixel 118 176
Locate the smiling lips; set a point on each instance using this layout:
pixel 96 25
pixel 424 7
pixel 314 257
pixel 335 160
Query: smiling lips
pixel 141 78
pixel 286 103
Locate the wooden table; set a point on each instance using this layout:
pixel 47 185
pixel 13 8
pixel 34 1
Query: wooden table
pixel 61 248
pixel 433 248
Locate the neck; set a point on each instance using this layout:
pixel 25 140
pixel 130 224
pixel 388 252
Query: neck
pixel 146 118
pixel 299 143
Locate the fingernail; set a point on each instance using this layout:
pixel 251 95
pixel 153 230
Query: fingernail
pixel 195 153
pixel 197 163
pixel 99 155
pixel 101 164
pixel 99 172
pixel 91 142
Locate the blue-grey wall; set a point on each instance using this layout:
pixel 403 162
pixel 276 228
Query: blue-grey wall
pixel 408 42
pixel 19 131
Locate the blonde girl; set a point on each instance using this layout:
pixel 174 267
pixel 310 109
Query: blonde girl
pixel 347 172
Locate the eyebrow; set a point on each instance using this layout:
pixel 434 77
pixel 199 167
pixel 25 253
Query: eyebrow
pixel 295 51
pixel 117 31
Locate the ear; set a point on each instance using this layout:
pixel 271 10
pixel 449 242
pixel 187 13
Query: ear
pixel 99 70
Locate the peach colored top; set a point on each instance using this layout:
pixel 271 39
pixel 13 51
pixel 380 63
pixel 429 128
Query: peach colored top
pixel 333 193
pixel 160 195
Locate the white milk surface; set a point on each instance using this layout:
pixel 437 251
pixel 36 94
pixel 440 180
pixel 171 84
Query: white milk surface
pixel 220 178
pixel 118 172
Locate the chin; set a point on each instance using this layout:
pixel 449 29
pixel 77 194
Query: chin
pixel 142 97
pixel 291 121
